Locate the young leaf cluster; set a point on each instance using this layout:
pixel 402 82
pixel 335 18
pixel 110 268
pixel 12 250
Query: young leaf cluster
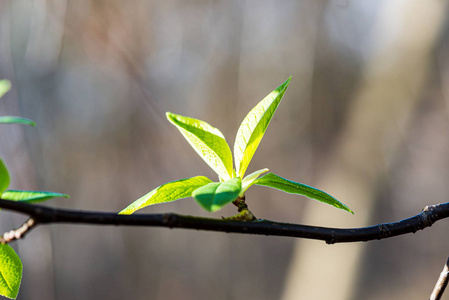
pixel 211 146
pixel 10 264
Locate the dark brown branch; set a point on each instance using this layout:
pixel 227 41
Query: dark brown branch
pixel 46 215
pixel 441 284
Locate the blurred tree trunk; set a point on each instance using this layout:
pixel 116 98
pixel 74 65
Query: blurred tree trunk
pixel 391 86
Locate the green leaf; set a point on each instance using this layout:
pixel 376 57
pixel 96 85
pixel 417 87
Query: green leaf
pixel 16 120
pixel 10 272
pixel 5 86
pixel 30 196
pixel 253 127
pixel 249 180
pixel 4 177
pixel 215 195
pixel 207 141
pixel 277 182
pixel 168 192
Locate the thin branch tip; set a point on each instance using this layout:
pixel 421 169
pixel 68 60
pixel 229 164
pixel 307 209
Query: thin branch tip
pixel 441 283
pixel 18 233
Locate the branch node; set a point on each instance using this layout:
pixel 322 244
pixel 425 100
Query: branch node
pixel 384 231
pixel 430 207
pixel 169 220
pixel 425 217
pixel 331 240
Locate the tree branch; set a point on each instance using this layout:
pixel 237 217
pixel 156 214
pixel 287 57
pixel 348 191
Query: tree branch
pixel 46 215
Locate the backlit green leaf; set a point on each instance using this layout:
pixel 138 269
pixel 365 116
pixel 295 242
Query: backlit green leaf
pixel 4 177
pixel 254 126
pixel 10 272
pixel 249 180
pixel 16 120
pixel 207 141
pixel 5 86
pixel 168 192
pixel 215 195
pixel 288 186
pixel 30 196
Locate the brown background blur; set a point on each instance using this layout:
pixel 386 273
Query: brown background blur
pixel 366 118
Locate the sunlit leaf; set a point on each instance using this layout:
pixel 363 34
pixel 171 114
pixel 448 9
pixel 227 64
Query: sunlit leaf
pixel 16 120
pixel 30 196
pixel 4 177
pixel 215 195
pixel 288 186
pixel 249 179
pixel 5 86
pixel 168 192
pixel 207 141
pixel 254 126
pixel 10 272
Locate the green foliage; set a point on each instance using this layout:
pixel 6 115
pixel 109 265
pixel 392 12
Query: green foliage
pixel 253 127
pixel 5 86
pixel 211 145
pixel 215 195
pixel 249 180
pixel 16 120
pixel 4 177
pixel 10 272
pixel 207 141
pixel 10 264
pixel 168 192
pixel 30 196
pixel 288 186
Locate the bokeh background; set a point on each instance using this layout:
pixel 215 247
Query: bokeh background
pixel 366 118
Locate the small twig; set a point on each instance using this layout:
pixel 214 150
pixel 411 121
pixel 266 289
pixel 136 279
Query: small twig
pixel 19 232
pixel 441 284
pixel 46 215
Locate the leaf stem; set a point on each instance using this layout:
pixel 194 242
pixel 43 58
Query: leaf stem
pixel 244 213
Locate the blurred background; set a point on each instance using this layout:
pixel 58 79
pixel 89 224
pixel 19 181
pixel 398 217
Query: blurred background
pixel 366 118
